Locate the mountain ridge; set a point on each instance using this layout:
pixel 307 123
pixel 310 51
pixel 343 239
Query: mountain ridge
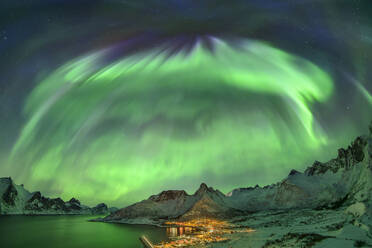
pixel 16 200
pixel 342 181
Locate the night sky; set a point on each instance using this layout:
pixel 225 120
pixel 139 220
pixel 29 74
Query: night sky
pixel 112 101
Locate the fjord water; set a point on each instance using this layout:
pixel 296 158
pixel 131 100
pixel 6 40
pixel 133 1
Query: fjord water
pixel 72 232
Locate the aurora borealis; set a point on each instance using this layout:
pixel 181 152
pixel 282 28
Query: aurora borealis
pixel 116 100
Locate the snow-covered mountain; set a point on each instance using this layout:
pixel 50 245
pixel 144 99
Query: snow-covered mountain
pixel 173 204
pixel 15 199
pixel 342 181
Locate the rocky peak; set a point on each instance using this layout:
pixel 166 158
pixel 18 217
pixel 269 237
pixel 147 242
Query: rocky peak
pixel 36 196
pixel 74 201
pixel 10 194
pixel 316 168
pixel 7 180
pixel 357 149
pixel 204 207
pixel 353 154
pixel 204 189
pixel 346 158
pixel 203 186
pixel 293 172
pixel 58 201
pixel 168 195
pixel 101 205
pixel 100 209
pixel 370 142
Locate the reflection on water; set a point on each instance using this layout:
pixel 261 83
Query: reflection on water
pixel 72 232
pixel 180 230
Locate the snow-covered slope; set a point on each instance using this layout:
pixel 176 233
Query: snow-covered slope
pixel 210 203
pixel 167 204
pixel 13 197
pixel 17 200
pixel 342 181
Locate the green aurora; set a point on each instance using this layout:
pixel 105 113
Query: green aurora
pixel 232 116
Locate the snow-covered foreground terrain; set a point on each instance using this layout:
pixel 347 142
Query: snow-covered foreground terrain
pixel 344 227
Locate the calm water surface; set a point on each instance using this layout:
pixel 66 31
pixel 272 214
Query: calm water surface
pixel 72 232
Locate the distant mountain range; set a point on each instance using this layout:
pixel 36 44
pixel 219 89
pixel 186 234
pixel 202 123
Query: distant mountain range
pixel 15 199
pixel 339 182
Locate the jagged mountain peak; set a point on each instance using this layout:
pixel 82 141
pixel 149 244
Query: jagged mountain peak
pixel 203 186
pixel 74 201
pixel 206 207
pixel 101 208
pixel 347 158
pixel 293 172
pixel 168 195
pixel 204 189
pixel 6 179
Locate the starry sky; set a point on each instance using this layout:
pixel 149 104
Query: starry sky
pixel 112 101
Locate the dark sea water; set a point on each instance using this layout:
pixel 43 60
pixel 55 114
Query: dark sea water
pixel 72 232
